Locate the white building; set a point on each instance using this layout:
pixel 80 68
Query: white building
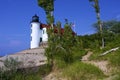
pixel 38 32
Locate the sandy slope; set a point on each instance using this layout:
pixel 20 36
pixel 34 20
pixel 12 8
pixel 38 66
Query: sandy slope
pixel 30 57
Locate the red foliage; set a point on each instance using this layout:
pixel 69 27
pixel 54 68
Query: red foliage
pixel 55 28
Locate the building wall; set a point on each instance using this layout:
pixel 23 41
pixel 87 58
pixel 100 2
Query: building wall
pixel 38 36
pixel 35 35
pixel 44 35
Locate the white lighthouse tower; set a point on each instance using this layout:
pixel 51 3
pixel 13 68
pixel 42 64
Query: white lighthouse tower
pixel 35 32
pixel 38 33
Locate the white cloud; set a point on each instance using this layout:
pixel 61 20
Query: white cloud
pixel 11 43
pixel 118 17
pixel 14 43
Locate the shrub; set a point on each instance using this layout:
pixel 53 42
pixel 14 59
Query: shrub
pixel 12 71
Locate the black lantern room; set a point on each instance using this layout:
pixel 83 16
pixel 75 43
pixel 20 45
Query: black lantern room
pixel 35 18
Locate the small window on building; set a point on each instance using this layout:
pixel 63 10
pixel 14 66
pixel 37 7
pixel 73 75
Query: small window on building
pixel 43 31
pixel 40 39
pixel 31 38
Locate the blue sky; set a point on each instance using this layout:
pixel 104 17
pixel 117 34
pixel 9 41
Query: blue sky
pixel 15 17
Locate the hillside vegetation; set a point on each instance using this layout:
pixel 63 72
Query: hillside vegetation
pixel 65 50
pixel 69 66
pixel 91 69
pixel 73 57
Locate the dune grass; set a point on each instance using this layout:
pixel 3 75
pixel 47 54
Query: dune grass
pixel 82 71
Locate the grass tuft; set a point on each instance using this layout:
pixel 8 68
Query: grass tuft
pixel 82 71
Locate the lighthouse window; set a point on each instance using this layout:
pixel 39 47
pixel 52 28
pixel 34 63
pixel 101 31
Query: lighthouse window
pixel 31 38
pixel 31 30
pixel 40 39
pixel 43 31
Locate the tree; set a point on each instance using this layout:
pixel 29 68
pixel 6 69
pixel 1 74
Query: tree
pixel 115 28
pixel 97 10
pixel 60 41
pixel 48 6
pixel 111 26
pixel 61 44
pixel 68 42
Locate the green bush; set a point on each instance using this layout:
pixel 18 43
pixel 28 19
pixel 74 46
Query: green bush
pixel 20 76
pixel 78 53
pixel 60 64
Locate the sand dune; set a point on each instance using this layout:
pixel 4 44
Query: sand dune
pixel 28 58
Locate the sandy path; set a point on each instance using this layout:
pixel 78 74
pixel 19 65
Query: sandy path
pixel 102 65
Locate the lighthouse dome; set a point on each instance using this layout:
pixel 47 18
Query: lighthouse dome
pixel 35 18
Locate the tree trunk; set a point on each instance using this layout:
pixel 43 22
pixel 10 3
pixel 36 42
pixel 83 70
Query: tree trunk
pixel 101 30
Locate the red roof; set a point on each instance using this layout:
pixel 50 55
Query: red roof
pixel 55 28
pixel 44 26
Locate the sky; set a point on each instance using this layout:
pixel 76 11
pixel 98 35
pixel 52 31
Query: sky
pixel 15 17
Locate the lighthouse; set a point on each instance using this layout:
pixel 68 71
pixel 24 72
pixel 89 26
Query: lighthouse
pixel 35 32
pixel 38 33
